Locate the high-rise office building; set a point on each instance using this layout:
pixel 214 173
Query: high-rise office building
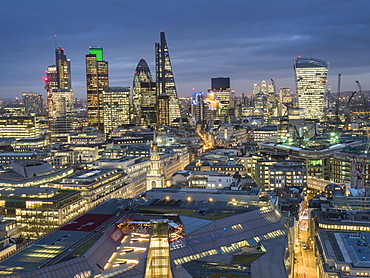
pixel 60 97
pixel 60 113
pixel 197 107
pixel 220 86
pixel 96 80
pixel 116 107
pixel 141 75
pixel 310 78
pixel 165 78
pixel 163 110
pixel 256 89
pixel 63 69
pixel 33 103
pixel 264 87
pixel 285 95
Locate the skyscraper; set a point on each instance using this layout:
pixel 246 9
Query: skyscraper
pixel 144 98
pixel 60 97
pixel 33 103
pixel 63 69
pixel 310 77
pixel 165 78
pixel 96 80
pixel 116 107
pixel 220 86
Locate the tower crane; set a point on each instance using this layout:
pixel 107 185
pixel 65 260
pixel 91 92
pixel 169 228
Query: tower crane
pixel 358 163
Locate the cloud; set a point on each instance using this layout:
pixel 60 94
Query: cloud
pixel 246 40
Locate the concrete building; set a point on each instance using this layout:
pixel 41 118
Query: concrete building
pixel 97 186
pixel 19 127
pixel 289 174
pixel 343 254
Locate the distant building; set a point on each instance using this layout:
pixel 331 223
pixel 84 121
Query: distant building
pixel 96 80
pixel 220 86
pixel 165 78
pixel 31 144
pixel 33 103
pixel 19 126
pixel 310 77
pixel 86 138
pixel 144 97
pixel 60 97
pixel 116 107
pixel 285 95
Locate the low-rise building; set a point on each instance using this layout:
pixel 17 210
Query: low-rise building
pixel 87 138
pixel 287 173
pixel 39 210
pixel 29 172
pixel 97 186
pixel 31 144
pixel 343 254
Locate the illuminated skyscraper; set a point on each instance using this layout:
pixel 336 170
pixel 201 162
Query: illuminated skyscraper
pixel 256 89
pixel 142 75
pixel 163 110
pixel 264 87
pixel 63 69
pixel 60 97
pixel 220 86
pixel 165 79
pixel 285 95
pixel 96 80
pixel 310 77
pixel 116 107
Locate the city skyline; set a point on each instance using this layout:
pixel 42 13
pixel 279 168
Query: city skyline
pixel 253 42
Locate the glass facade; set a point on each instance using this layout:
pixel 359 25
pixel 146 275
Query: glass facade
pixel 96 80
pixel 165 78
pixel 143 88
pixel 310 78
pixel 116 107
pixel 60 96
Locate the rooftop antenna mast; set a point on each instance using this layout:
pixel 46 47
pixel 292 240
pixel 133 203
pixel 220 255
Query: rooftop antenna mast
pixel 56 41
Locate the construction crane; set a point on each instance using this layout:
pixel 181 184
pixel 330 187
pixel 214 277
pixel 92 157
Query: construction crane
pixel 363 98
pixel 337 104
pixel 358 163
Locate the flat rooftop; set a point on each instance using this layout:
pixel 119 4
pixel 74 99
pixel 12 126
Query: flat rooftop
pixel 41 252
pixel 347 247
pixel 207 191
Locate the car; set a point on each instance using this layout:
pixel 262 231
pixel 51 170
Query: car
pixel 304 246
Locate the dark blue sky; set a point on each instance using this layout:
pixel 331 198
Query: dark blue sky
pixel 246 40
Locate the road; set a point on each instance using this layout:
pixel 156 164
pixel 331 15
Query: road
pixel 305 259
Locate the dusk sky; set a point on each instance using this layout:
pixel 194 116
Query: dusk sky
pixel 248 41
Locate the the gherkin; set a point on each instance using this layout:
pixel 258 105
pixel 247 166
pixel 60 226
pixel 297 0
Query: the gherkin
pixel 142 78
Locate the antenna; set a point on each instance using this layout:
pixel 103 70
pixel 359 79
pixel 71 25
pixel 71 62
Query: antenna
pixel 56 41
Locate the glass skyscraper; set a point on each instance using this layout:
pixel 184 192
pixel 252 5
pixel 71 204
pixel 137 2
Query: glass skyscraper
pixel 310 77
pixel 165 78
pixel 60 96
pixel 116 105
pixel 96 80
pixel 143 95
